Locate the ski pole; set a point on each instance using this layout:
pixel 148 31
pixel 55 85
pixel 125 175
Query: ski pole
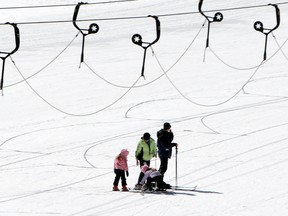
pixel 176 171
pixel 155 159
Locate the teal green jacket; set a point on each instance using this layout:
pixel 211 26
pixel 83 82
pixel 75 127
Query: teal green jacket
pixel 145 151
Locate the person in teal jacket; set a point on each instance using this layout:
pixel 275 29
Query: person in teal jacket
pixel 146 150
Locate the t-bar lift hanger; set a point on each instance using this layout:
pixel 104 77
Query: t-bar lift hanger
pixel 218 17
pixel 137 39
pixel 93 28
pixel 258 26
pixel 7 54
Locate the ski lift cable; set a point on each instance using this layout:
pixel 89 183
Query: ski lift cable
pixel 157 78
pixel 142 17
pixel 230 98
pixel 68 113
pixel 218 104
pixel 48 64
pixel 124 1
pixel 63 5
pixel 93 71
pixel 229 65
pixel 280 48
pixel 102 78
pixel 208 105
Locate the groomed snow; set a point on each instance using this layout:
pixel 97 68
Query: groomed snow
pixel 62 127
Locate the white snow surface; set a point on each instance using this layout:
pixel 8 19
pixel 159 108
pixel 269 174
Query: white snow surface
pixel 62 127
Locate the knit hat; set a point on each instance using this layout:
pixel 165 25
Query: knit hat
pixel 146 136
pixel 124 152
pixel 144 168
pixel 166 126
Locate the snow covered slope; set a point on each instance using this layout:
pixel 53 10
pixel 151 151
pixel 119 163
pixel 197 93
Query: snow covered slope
pixel 62 127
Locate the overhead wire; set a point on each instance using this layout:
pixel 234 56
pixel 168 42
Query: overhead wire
pixel 280 47
pixel 47 65
pixel 71 114
pixel 208 105
pixel 68 113
pixel 102 78
pixel 134 85
pixel 62 5
pixel 225 101
pixel 252 67
pixel 132 17
pixel 231 66
pixel 123 1
pixel 164 72
pixel 157 78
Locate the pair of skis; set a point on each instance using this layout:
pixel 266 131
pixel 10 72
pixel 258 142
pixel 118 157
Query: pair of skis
pixel 171 190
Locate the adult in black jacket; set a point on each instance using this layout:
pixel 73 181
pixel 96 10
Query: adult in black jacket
pixel 164 143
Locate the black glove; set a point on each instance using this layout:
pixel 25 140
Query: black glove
pixel 127 173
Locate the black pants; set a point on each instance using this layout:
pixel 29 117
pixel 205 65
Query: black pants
pixel 119 174
pixel 141 175
pixel 163 165
pixel 157 179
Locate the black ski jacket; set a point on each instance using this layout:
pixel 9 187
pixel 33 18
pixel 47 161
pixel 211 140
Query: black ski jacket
pixel 164 143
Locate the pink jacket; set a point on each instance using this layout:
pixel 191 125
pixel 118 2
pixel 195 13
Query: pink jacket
pixel 120 161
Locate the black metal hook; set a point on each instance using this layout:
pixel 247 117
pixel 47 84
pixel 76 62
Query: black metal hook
pixel 7 54
pixel 93 28
pixel 218 17
pixel 137 39
pixel 258 26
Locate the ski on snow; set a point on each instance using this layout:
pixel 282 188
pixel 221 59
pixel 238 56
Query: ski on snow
pixel 172 190
pixel 183 188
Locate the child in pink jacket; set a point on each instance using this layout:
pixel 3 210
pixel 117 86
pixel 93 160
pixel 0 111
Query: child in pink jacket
pixel 120 167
